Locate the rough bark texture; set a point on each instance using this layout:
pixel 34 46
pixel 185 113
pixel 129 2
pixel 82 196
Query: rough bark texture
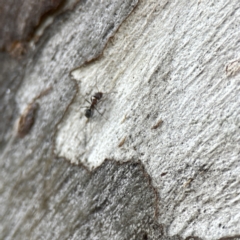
pixel 162 162
pixel 18 19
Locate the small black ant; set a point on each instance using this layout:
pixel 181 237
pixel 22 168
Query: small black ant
pixel 94 100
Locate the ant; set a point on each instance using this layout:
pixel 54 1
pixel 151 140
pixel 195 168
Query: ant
pixel 94 100
pixel 97 96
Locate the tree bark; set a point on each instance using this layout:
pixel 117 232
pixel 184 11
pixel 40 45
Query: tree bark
pixel 158 157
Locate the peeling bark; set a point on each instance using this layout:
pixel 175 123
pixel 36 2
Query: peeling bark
pixel 162 160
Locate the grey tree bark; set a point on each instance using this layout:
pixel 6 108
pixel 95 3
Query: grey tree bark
pixel 158 158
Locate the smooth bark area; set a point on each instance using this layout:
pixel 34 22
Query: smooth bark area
pixel 159 157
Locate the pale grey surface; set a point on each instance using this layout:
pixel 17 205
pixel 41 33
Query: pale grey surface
pixel 167 61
